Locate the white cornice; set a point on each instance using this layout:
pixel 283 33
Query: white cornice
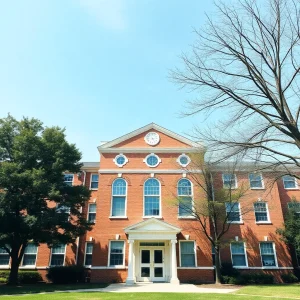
pixel 143 171
pixel 150 150
pixel 144 129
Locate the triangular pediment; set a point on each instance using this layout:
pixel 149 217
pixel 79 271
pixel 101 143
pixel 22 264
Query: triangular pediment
pixel 135 138
pixel 152 225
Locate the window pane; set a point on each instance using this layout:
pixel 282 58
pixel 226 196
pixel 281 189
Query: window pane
pixel 94 185
pixel 185 206
pixel 57 260
pixel 289 182
pixel 118 207
pixel 88 259
pixel 58 249
pixel 238 260
pixel 89 248
pixel 151 187
pixel 95 177
pixel 237 248
pixel 184 187
pixel 119 187
pixel 266 248
pixel 116 253
pixel 4 259
pixel 29 259
pixel 255 180
pixel 152 160
pixel 92 208
pixel 229 180
pixel 145 256
pixel 31 248
pixel 151 206
pixel 92 217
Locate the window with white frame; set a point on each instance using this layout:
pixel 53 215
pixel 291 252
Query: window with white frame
pixel 119 191
pixel 68 179
pixel 58 255
pixel 64 210
pixel 120 160
pixel 268 255
pixel 233 212
pixel 238 254
pixel 289 182
pixel 229 181
pixel 92 212
pixel 184 193
pixel 151 197
pixel 256 181
pixel 152 160
pixel 30 253
pixel 295 207
pixel 4 257
pixel 183 160
pixel 116 255
pixel 187 254
pixel 261 212
pixel 88 253
pixel 94 181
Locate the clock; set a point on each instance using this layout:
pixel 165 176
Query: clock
pixel 152 138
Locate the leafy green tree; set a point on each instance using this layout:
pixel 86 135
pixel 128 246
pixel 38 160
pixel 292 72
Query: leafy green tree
pixel 35 203
pixel 291 230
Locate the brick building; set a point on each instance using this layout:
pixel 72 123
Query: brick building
pixel 139 233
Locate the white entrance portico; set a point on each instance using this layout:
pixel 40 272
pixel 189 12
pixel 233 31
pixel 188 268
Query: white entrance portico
pixel 152 252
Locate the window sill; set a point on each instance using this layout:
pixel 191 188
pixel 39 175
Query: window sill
pixel 113 217
pixel 195 268
pixel 186 217
pixel 149 217
pixel 236 222
pixel 93 189
pixel 292 189
pixel 27 267
pixel 252 188
pixel 109 268
pixel 263 223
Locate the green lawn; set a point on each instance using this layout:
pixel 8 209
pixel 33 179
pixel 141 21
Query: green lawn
pixel 42 288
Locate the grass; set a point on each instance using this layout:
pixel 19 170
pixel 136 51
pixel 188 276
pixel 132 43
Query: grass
pixel 278 290
pixel 46 287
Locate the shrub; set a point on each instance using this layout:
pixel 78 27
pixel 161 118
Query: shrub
pixel 4 274
pixel 228 270
pixel 67 274
pixel 229 279
pixel 289 278
pixel 26 277
pixel 255 278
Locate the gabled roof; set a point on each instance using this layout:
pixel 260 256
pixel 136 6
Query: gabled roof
pixel 146 128
pixel 152 225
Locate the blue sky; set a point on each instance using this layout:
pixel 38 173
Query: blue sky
pixel 99 68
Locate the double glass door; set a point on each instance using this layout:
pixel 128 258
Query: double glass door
pixel 152 264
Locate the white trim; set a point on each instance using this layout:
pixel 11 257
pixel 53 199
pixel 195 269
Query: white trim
pixel 192 196
pixel 94 189
pixel 149 150
pixel 262 182
pixel 195 253
pixel 245 253
pixel 160 206
pixel 235 178
pixel 149 155
pixel 147 128
pixel 112 196
pixel 275 255
pixel 268 213
pixel 196 268
pixel 50 261
pixel 115 160
pixel 145 171
pixel 265 268
pixel 72 178
pixel 108 261
pixel 87 253
pixel 240 214
pixel 183 155
pixel 108 268
pixel 36 254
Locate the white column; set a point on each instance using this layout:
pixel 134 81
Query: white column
pixel 130 278
pixel 174 278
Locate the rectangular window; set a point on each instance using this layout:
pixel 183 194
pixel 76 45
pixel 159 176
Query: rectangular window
pixel 238 254
pixel 88 253
pixel 233 212
pixel 268 256
pixel 64 210
pixel 229 181
pixel 261 212
pixel 256 181
pixel 187 254
pixel 94 181
pixel 4 257
pixel 289 182
pixel 295 206
pixel 29 257
pixel 68 179
pixel 58 255
pixel 92 213
pixel 116 256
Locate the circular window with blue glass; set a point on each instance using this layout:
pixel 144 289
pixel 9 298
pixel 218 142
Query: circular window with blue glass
pixel 183 160
pixel 152 160
pixel 120 160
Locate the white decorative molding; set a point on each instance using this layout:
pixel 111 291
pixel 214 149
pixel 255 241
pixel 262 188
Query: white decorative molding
pixel 145 160
pixel 149 150
pixel 236 238
pixel 120 165
pixel 182 156
pixel 266 238
pixel 117 236
pixel 145 171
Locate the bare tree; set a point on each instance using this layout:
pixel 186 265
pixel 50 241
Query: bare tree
pixel 218 208
pixel 246 64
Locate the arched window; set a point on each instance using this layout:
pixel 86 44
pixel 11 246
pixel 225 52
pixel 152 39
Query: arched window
pixel 119 191
pixel 184 193
pixel 152 198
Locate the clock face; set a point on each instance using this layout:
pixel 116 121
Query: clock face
pixel 152 138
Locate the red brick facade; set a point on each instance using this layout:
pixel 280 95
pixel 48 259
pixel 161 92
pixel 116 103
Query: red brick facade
pixel 168 172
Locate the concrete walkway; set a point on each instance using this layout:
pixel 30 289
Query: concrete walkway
pixel 157 288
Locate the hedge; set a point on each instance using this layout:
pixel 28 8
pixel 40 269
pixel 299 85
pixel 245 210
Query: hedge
pixel 66 274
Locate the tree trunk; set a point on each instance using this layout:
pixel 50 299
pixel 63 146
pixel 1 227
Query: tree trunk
pixel 13 275
pixel 217 266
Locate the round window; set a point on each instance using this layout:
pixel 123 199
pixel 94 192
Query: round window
pixel 183 160
pixel 152 160
pixel 120 160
